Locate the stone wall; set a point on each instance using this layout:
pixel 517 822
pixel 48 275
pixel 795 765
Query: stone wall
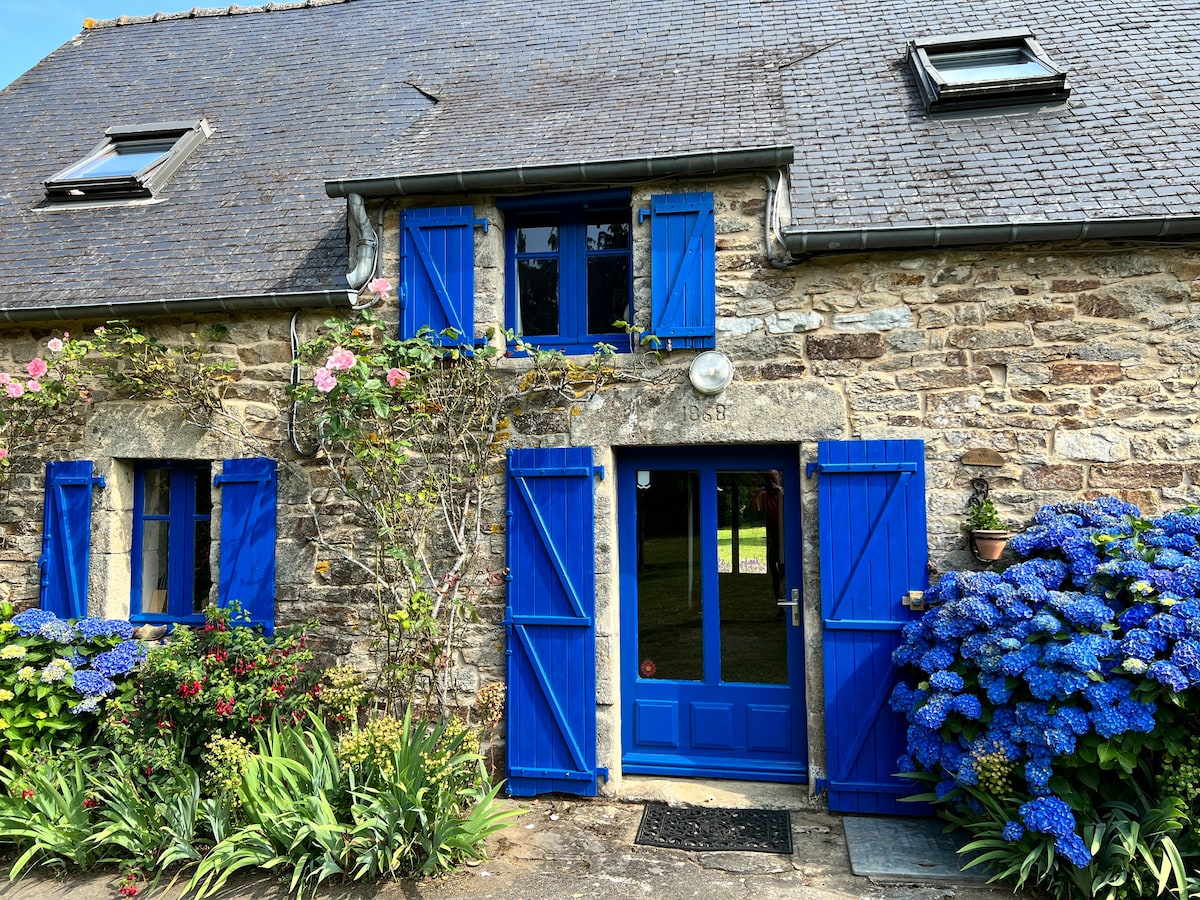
pixel 1074 364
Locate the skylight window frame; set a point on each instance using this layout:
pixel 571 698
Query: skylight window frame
pixel 939 93
pixel 185 137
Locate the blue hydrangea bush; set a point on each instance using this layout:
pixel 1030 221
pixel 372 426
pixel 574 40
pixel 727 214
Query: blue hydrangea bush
pixel 1054 706
pixel 56 675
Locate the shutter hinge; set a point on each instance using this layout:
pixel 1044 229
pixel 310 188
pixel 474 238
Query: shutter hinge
pixel 822 785
pixel 811 469
pixel 481 223
pixel 643 215
pixel 402 296
pixel 598 470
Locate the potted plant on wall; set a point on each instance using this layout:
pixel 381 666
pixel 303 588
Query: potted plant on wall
pixel 989 533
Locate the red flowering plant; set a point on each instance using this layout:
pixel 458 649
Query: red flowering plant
pixel 224 678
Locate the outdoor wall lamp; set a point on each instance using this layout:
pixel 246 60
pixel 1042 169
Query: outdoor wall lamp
pixel 711 372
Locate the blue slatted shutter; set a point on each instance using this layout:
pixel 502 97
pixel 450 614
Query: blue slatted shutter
pixel 683 270
pixel 437 273
pixel 874 549
pixel 247 557
pixel 66 537
pixel 550 623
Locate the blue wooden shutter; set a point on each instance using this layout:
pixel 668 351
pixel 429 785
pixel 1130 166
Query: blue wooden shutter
pixel 437 273
pixel 683 270
pixel 550 623
pixel 66 538
pixel 874 549
pixel 247 558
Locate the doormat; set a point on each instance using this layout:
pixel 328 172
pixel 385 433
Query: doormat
pixel 907 850
pixel 706 828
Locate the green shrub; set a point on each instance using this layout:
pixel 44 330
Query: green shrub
pixel 222 679
pixel 56 676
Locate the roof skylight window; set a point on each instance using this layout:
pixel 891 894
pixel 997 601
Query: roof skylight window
pixel 993 68
pixel 131 162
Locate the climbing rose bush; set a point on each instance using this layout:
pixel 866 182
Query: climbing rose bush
pixel 1053 701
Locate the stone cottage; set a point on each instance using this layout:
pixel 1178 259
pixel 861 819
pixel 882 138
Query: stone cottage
pixel 884 250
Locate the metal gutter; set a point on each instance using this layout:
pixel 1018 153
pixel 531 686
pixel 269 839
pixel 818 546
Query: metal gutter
pixel 809 241
pixel 176 306
pixel 611 171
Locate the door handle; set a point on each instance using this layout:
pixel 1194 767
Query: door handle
pixel 794 603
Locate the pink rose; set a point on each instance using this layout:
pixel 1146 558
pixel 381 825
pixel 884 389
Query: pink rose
pixel 324 381
pixel 33 386
pixel 5 378
pixel 55 345
pixel 3 453
pixel 340 359
pixel 37 367
pixel 396 376
pixel 14 389
pixel 380 287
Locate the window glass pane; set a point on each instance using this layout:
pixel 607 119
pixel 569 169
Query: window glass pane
pixel 607 293
pixel 154 566
pixel 987 65
pixel 124 159
pixel 670 617
pixel 202 572
pixel 203 494
pixel 608 231
pixel 537 296
pixel 158 492
pixel 539 235
pixel 751 577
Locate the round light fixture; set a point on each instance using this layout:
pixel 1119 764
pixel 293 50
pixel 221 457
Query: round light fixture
pixel 711 372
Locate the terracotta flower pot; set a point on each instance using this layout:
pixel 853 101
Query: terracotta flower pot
pixel 989 544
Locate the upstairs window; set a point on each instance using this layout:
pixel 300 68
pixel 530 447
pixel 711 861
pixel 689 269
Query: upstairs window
pixel 569 269
pixel 993 68
pixel 131 162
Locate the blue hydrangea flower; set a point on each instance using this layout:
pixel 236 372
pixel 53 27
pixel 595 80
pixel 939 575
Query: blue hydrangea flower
pixel 93 684
pixel 946 680
pixel 121 660
pixel 29 623
pixel 1013 831
pixel 91 629
pixel 58 631
pixel 1048 815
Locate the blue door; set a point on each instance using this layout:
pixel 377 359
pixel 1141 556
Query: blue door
pixel 712 679
pixel 874 552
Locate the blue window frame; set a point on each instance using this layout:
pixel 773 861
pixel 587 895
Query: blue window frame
pixel 569 269
pixel 172 542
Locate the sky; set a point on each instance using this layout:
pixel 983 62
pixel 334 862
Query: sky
pixel 33 29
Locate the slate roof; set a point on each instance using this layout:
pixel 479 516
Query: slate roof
pixel 300 93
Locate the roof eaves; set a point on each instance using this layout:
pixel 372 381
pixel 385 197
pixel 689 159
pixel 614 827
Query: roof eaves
pixel 709 162
pixel 175 305
pixel 802 242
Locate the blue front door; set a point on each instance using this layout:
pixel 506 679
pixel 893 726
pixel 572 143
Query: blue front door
pixel 712 679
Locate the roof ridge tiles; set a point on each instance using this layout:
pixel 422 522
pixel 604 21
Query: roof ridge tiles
pixel 197 12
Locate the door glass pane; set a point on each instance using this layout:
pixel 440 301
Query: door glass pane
pixel 751 577
pixel 670 619
pixel 154 563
